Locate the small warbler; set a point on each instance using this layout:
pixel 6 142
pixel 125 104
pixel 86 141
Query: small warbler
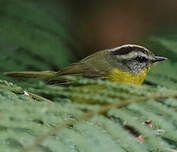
pixel 126 64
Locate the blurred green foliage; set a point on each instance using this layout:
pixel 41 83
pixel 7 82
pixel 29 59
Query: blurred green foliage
pixel 164 43
pixel 31 39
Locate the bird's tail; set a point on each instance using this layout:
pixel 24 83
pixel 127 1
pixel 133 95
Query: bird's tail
pixel 31 74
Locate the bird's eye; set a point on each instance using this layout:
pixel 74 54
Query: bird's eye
pixel 141 59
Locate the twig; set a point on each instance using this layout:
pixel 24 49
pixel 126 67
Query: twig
pixel 32 95
pixel 86 116
pixel 39 98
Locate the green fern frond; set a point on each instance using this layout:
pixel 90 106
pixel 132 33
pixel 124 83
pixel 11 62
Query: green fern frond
pixel 118 117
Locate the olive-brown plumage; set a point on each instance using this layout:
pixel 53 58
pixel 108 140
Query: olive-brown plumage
pixel 127 63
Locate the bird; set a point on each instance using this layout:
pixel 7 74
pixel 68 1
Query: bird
pixel 128 63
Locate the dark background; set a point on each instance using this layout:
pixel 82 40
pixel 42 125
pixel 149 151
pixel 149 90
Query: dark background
pixel 50 34
pixel 105 24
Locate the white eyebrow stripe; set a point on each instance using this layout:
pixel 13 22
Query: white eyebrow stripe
pixel 126 45
pixel 131 55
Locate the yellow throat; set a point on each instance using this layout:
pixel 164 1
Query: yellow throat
pixel 117 75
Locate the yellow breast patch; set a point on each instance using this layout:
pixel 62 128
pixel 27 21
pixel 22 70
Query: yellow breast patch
pixel 117 75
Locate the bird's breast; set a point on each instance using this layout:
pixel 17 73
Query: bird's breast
pixel 117 75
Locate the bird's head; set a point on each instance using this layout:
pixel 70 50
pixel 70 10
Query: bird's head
pixel 133 58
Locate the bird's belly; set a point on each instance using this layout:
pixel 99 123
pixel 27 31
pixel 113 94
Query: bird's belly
pixel 117 75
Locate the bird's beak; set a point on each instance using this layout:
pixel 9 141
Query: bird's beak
pixel 159 58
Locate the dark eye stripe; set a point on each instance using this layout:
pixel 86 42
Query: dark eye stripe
pixel 128 49
pixel 141 59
